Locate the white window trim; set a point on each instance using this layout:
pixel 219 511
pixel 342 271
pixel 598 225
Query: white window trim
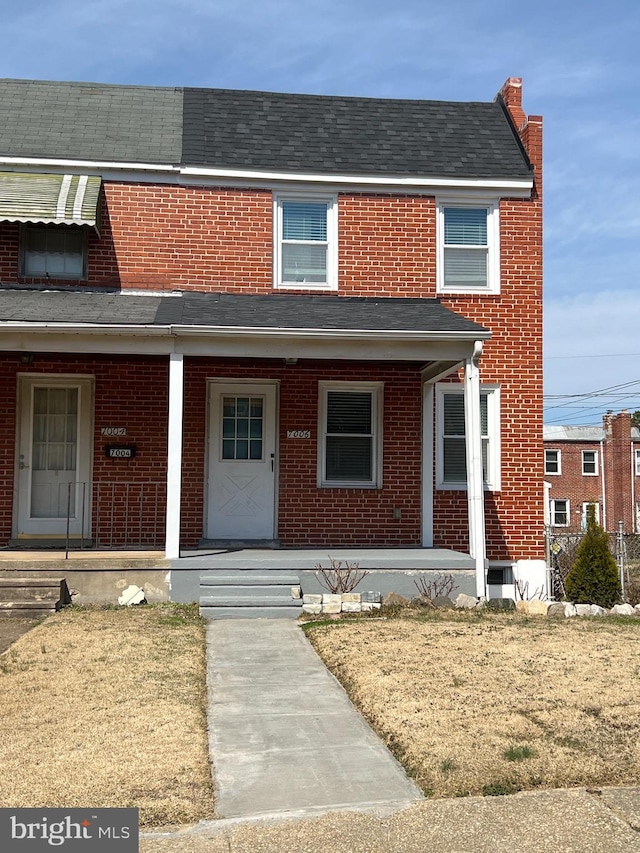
pixel 493 243
pixel 585 506
pixel 637 463
pixel 376 390
pixel 332 240
pixel 552 511
pixel 493 483
pixel 559 459
pixel 590 473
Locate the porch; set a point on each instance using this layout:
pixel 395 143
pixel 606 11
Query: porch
pixel 101 576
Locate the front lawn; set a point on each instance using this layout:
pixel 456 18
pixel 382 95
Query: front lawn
pixel 107 708
pixel 479 703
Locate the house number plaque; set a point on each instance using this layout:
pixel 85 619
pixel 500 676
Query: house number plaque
pixel 298 433
pixel 120 451
pixel 113 431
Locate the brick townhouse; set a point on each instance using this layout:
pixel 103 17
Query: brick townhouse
pixel 600 466
pixel 234 318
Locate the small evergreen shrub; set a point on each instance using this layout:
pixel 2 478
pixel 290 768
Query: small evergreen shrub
pixel 593 578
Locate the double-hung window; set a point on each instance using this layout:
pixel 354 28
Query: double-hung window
pixel 552 462
pixel 559 511
pixel 350 435
pixel 468 248
pixel 305 247
pixel 53 251
pixel 589 463
pixel 451 458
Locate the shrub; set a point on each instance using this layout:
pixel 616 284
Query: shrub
pixel 593 578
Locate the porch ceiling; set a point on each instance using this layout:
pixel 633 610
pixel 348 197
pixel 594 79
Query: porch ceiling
pixel 227 324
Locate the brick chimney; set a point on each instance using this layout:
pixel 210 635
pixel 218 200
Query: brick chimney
pixel 511 94
pixel 529 127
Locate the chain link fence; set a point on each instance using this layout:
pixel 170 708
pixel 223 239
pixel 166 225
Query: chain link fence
pixel 625 547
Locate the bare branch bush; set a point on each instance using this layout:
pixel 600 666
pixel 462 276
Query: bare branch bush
pixel 438 586
pixel 341 576
pixel 523 594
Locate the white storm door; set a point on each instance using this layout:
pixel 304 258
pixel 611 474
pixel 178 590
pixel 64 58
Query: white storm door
pixel 54 456
pixel 242 461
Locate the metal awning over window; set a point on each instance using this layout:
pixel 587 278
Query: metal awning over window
pixel 49 199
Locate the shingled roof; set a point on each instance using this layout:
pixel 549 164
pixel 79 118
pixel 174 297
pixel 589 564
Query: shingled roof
pixel 258 131
pixel 292 312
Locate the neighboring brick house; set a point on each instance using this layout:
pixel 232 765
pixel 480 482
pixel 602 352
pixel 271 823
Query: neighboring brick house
pixel 242 317
pixel 593 465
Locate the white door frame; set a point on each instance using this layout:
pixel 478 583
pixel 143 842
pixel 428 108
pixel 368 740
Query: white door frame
pixel 24 525
pixel 235 386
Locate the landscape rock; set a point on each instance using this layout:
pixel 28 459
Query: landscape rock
pixel 351 607
pixel 296 592
pixel 371 597
pixel 370 605
pixel 331 603
pixel 622 610
pixel 596 610
pixel 312 609
pixel 637 608
pixel 351 596
pixel 311 598
pixel 467 602
pixel 443 601
pixel 522 607
pixel 583 609
pixel 392 599
pixel 538 607
pixel 556 610
pixel 501 604
pixel 569 609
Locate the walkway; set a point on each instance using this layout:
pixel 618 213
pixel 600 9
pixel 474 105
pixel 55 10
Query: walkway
pixel 284 737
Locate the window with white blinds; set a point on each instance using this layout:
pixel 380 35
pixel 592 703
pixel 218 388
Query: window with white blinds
pixel 349 450
pixel 468 238
pixel 451 461
pixel 305 242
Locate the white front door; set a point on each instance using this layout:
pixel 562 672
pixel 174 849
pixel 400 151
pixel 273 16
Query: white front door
pixel 242 461
pixel 54 456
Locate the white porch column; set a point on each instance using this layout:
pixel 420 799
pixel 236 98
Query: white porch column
pixel 475 489
pixel 174 458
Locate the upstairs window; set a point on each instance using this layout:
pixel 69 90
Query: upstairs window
pixel 468 239
pixel 54 251
pixel 552 462
pixel 305 242
pixel 589 463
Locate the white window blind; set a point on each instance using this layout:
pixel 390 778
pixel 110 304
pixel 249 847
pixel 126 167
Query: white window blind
pixel 466 247
pixel 304 242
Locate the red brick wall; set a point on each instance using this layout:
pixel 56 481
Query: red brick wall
pixel 129 392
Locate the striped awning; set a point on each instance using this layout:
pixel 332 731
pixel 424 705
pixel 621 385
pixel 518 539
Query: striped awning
pixel 49 199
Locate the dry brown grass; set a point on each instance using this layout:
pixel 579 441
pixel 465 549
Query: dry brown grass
pixel 106 708
pixel 477 704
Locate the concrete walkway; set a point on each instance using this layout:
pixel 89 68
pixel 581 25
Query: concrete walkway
pixel 284 737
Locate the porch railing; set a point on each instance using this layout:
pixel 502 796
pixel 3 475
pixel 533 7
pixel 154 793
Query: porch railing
pixel 125 514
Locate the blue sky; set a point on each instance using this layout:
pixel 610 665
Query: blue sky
pixel 580 67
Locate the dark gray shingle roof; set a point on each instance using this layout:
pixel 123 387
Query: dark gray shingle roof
pixel 277 311
pixel 90 121
pixel 335 135
pixel 259 131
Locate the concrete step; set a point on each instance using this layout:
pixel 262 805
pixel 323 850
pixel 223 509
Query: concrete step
pixel 249 577
pixel 32 596
pixel 226 599
pixel 246 592
pixel 25 609
pixel 249 612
